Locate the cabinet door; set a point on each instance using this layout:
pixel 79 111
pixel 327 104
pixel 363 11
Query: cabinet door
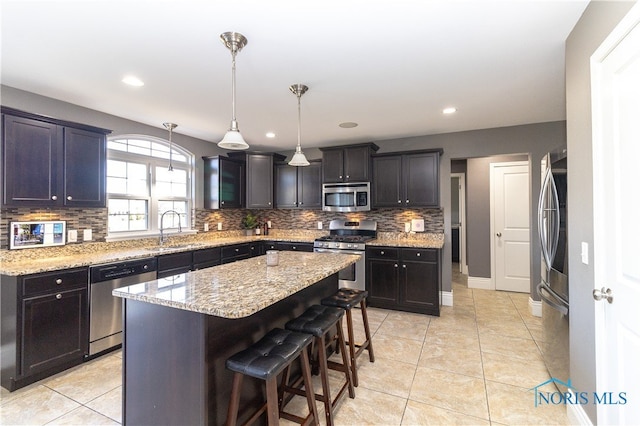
pixel 420 281
pixel 332 165
pixel 422 180
pixel 54 330
pixel 259 181
pixel 310 186
pixel 387 181
pixel 84 168
pixel 231 179
pixel 356 164
pixel 286 186
pixel 174 263
pixel 30 162
pixel 382 283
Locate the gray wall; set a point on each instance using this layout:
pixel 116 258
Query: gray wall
pixel 532 139
pixel 596 23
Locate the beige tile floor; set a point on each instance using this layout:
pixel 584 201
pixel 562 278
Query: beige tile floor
pixel 473 365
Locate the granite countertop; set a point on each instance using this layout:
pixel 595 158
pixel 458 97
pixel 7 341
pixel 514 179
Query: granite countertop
pixel 241 288
pixel 38 260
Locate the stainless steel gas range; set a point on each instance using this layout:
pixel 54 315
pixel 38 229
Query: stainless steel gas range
pixel 349 237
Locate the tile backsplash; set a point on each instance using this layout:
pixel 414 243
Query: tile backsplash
pixel 389 220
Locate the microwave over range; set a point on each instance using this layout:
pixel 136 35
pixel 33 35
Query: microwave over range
pixel 346 197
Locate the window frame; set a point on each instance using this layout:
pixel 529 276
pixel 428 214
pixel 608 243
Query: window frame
pixel 151 162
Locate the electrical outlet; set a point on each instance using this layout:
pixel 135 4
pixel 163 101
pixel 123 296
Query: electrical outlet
pixel 319 224
pixel 219 226
pixel 206 227
pixel 87 235
pixel 407 227
pixel 269 224
pixel 72 236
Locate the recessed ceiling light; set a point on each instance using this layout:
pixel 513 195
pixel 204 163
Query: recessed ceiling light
pixel 449 110
pixel 270 135
pixel 348 125
pixel 133 81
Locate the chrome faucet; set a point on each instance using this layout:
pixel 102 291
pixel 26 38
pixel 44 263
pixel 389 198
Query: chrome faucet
pixel 162 238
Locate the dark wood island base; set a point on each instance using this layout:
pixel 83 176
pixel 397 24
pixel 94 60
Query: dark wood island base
pixel 174 360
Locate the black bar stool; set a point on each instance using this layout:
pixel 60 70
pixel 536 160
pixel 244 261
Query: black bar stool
pixel 319 321
pixel 264 360
pixel 347 298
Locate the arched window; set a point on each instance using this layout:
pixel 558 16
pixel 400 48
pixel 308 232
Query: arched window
pixel 140 186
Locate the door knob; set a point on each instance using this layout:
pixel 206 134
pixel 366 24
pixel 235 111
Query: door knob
pixel 499 234
pixel 603 293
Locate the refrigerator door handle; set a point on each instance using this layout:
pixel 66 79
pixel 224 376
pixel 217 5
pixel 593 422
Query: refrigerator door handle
pixel 556 222
pixel 542 226
pixel 560 307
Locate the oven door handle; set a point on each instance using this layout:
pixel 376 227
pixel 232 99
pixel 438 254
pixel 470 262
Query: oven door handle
pixel 323 250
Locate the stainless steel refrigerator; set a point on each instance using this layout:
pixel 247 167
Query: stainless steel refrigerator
pixel 554 285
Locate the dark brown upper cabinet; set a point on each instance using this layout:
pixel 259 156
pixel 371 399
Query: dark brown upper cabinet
pixel 299 187
pixel 223 183
pixel 52 163
pixel 406 180
pixel 349 163
pixel 259 177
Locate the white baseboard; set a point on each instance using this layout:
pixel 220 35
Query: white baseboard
pixel 480 283
pixel 577 416
pixel 447 298
pixel 535 307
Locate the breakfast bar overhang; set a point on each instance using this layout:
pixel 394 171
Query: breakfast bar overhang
pixel 179 331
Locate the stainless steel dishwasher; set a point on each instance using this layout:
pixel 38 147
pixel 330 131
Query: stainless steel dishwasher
pixel 105 310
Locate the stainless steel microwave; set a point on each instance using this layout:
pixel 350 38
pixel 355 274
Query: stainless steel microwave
pixel 346 197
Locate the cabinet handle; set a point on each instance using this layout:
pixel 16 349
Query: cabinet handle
pixel 69 197
pixel 347 176
pixel 221 202
pixel 237 250
pixel 58 296
pixel 55 197
pixel 340 176
pixel 293 248
pixel 382 252
pixel 407 201
pixel 59 281
pixel 301 203
pixel 269 203
pixel 399 201
pixel 418 254
pixel 395 265
pixel 404 266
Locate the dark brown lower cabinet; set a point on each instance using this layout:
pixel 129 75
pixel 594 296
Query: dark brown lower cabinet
pixel 44 325
pixel 404 279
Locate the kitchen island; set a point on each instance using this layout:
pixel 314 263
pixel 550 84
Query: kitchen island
pixel 179 331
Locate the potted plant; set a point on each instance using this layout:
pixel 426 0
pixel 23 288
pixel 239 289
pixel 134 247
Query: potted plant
pixel 249 223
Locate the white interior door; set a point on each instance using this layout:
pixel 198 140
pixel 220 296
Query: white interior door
pixel 616 150
pixel 459 178
pixel 510 215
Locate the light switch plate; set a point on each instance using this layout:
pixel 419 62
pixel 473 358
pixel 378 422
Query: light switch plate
pixel 407 226
pixel 417 225
pixel 319 225
pixel 72 236
pixel 87 235
pixel 219 226
pixel 206 227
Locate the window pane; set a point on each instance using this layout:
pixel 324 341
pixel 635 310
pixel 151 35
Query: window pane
pixel 127 178
pixel 127 215
pixel 172 220
pixel 119 144
pixel 171 184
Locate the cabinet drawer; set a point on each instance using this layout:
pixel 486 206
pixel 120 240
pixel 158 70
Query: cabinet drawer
pixel 382 253
pixel 234 251
pixel 425 255
pixel 55 281
pixel 210 255
pixel 296 247
pixel 174 261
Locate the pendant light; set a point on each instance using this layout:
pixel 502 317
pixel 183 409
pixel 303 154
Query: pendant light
pixel 298 158
pixel 233 139
pixel 170 127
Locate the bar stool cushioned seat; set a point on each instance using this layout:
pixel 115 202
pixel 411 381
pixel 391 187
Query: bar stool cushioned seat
pixel 347 299
pixel 264 360
pixel 319 321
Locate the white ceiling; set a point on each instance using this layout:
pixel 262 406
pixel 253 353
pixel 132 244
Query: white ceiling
pixel 389 65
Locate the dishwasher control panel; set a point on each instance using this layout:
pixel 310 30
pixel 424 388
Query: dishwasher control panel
pixel 122 269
